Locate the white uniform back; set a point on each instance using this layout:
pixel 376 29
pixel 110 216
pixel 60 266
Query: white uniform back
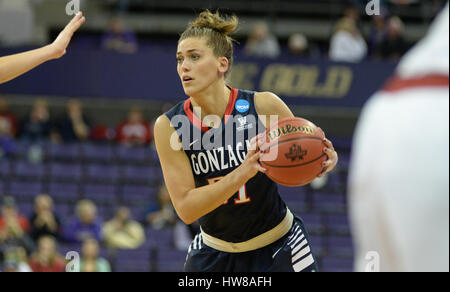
pixel 399 172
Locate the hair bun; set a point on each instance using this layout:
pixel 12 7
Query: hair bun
pixel 214 21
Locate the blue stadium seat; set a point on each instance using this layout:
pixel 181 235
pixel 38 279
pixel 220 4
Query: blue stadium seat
pixel 66 151
pixel 338 224
pixel 94 152
pixel 100 193
pixel 132 195
pixel 133 154
pixel 25 191
pixel 314 222
pixel 137 260
pixel 29 170
pixel 139 174
pixel 4 168
pixel 102 172
pixel 340 245
pixel 329 202
pixel 64 192
pixel 66 171
pixel 336 264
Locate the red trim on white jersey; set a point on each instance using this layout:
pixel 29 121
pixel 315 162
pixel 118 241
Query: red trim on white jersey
pixel 396 84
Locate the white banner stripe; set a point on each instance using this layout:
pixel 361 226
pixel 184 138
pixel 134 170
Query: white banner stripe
pixel 301 253
pixel 304 263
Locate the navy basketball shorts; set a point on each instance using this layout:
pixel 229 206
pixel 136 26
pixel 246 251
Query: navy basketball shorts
pixel 291 253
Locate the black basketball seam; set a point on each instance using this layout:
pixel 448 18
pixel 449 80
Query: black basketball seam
pixel 294 139
pixel 289 166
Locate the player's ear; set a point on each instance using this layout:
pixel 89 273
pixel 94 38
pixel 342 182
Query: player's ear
pixel 223 64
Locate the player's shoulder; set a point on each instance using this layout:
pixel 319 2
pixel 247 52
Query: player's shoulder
pixel 266 100
pixel 163 122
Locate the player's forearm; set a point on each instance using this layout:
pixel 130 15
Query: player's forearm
pixel 18 64
pixel 201 201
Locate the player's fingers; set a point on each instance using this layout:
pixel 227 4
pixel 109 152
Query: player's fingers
pixel 328 143
pixel 76 22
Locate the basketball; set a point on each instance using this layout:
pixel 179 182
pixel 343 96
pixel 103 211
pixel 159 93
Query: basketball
pixel 293 151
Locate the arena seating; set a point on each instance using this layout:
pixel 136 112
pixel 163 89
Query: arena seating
pixel 112 175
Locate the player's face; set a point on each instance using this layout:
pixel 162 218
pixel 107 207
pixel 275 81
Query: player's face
pixel 197 65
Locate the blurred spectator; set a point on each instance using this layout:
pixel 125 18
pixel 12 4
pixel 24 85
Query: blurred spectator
pixel 377 35
pixel 43 220
pixel 122 232
pixel 299 46
pixel 37 126
pixel 8 120
pixel 134 131
pixel 261 43
pixel 15 260
pixel 47 258
pixel 161 214
pixel 74 125
pixel 347 43
pixel 7 143
pixel 85 225
pixel 90 259
pixel 119 39
pixel 14 227
pixel 394 45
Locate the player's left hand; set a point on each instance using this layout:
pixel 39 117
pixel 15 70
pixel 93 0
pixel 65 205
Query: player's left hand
pixel 332 160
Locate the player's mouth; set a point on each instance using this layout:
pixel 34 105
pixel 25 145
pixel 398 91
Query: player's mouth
pixel 187 79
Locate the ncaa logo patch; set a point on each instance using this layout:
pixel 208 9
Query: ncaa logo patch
pixel 242 105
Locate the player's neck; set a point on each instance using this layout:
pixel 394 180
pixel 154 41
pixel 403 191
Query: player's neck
pixel 212 101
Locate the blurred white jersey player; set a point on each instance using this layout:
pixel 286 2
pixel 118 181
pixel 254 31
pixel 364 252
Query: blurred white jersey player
pixel 399 171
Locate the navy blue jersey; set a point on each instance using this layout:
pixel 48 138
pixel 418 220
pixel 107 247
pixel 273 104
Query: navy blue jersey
pixel 214 152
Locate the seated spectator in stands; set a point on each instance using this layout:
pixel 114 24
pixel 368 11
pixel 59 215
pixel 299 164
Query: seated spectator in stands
pixel 119 39
pixel 122 232
pixel 37 126
pixel 299 46
pixel 43 221
pixel 14 227
pixel 377 36
pixel 47 258
pixel 7 143
pixel 15 260
pixel 74 125
pixel 261 43
pixel 135 131
pixel 161 214
pixel 90 259
pixel 85 225
pixel 394 45
pixel 8 119
pixel 347 43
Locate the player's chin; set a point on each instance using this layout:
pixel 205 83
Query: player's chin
pixel 189 90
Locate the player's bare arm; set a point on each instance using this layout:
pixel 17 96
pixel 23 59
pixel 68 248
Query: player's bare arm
pixel 18 64
pixel 268 104
pixel 190 202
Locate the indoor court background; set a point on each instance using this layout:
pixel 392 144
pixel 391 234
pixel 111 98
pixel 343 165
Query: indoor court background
pixel 108 83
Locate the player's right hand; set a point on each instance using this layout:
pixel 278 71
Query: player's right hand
pixel 250 166
pixel 60 44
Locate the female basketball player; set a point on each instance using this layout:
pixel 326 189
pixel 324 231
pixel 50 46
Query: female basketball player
pixel 245 225
pixel 18 64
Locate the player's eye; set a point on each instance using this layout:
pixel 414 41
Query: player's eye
pixel 179 60
pixel 195 57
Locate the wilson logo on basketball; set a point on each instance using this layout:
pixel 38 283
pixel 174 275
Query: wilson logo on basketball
pixel 296 151
pixel 288 129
